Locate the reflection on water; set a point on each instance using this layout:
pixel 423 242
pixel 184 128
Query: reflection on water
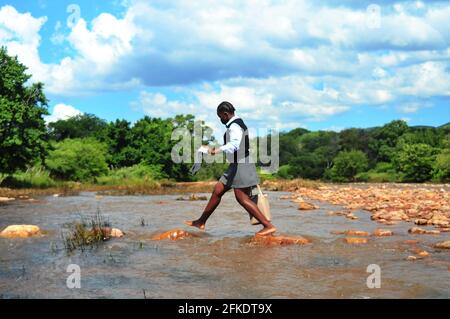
pixel 217 264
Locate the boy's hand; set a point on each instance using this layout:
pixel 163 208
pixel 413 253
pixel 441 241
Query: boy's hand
pixel 214 151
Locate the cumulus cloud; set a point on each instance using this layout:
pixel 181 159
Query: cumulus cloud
pixel 281 62
pixel 62 112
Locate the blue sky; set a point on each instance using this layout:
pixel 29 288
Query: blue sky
pixel 283 64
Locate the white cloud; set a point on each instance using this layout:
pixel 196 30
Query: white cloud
pixel 266 61
pixel 62 112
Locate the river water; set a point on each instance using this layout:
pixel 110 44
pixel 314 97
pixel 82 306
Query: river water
pixel 219 263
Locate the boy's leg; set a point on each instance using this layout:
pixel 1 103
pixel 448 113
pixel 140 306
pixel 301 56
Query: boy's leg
pixel 243 197
pixel 219 190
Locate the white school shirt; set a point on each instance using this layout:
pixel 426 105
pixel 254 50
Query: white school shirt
pixel 236 134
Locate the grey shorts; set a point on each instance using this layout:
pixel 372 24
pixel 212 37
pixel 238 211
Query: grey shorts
pixel 240 175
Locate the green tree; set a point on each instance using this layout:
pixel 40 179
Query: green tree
pixel 309 165
pixel 290 145
pixel 118 138
pixel 23 136
pixel 415 162
pixel 347 165
pixel 80 126
pixel 385 139
pixel 78 159
pixel 442 166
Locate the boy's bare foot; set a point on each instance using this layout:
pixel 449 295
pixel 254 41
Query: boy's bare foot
pixel 196 223
pixel 266 231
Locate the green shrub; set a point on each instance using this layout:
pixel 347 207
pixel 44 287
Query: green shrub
pixel 284 172
pixel 382 173
pixel 33 177
pixel 347 165
pixel 78 160
pixel 441 170
pixel 374 177
pixel 415 162
pixel 140 174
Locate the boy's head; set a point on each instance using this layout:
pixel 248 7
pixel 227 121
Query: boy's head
pixel 225 111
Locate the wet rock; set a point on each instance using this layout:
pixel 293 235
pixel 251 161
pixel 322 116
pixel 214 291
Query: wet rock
pixel 306 206
pixel 285 197
pixel 423 253
pixel 411 258
pixel 279 240
pixel 443 245
pixel 116 233
pixel 421 222
pixel 352 232
pixel 174 234
pixel 445 229
pixel 448 267
pixel 420 231
pixel 6 199
pixel 351 216
pixel 356 240
pixel 20 231
pixel 438 222
pixel 382 232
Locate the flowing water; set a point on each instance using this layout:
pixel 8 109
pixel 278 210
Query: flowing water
pixel 219 263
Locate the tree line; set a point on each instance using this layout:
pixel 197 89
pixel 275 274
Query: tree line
pixel 88 148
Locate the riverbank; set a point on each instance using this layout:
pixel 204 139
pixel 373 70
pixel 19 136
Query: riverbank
pixel 168 187
pixel 143 188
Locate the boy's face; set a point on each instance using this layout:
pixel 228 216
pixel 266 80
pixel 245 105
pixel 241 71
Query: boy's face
pixel 224 117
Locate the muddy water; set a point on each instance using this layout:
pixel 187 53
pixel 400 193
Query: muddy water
pixel 218 264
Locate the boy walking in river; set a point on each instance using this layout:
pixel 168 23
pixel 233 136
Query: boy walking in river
pixel 240 176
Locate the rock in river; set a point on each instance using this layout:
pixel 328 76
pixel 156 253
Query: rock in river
pixel 116 233
pixel 352 232
pixel 20 231
pixel 356 241
pixel 174 234
pixel 443 245
pixel 306 206
pixel 382 232
pixel 418 230
pixel 279 240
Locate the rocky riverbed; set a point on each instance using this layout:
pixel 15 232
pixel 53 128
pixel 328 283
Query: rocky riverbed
pixel 327 239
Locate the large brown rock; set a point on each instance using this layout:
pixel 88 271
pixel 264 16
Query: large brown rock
pixel 356 240
pixel 279 240
pixel 352 232
pixel 443 245
pixel 174 234
pixel 418 230
pixel 6 199
pixel 423 253
pixel 116 233
pixel 382 232
pixel 20 231
pixel 306 206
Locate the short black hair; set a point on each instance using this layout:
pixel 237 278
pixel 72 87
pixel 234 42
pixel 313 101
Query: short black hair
pixel 225 107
